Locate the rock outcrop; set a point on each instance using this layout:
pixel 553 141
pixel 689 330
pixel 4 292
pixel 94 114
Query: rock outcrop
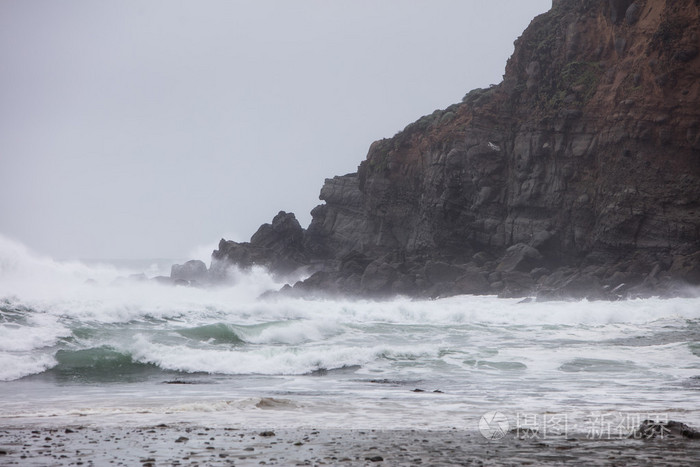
pixel 192 271
pixel 278 246
pixel 577 176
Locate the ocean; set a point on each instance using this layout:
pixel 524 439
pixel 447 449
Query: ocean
pixel 79 345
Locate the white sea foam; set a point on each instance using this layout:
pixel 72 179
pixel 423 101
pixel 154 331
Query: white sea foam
pixel 67 289
pixel 267 360
pixel 14 366
pixel 483 352
pixel 39 331
pixel 292 332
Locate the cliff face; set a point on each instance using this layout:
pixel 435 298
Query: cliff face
pixel 584 163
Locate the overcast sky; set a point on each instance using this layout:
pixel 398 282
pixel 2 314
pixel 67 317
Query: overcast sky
pixel 141 129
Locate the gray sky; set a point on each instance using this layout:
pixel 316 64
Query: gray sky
pixel 143 128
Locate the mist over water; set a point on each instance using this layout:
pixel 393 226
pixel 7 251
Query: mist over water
pixel 83 339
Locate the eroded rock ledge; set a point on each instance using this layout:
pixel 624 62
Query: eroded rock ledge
pixel 577 176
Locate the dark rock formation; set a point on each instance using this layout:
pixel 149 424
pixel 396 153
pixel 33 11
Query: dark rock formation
pixel 520 257
pixel 577 176
pixel 191 271
pixel 278 246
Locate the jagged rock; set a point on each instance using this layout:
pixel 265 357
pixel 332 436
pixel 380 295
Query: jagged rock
pixel 472 282
pixel 350 285
pixel 542 240
pixel 230 252
pixel 354 262
pixel 279 246
pixel 194 270
pixel 687 268
pixel 516 284
pixel 283 234
pixel 404 285
pixel 438 272
pixel 520 257
pixel 339 226
pixel 320 281
pixel 378 278
pixel 481 258
pixel 282 241
pixel 538 273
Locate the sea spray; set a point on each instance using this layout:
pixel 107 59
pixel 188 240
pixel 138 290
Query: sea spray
pixel 73 337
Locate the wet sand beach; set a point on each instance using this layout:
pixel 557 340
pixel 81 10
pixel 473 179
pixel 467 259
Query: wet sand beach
pixel 197 445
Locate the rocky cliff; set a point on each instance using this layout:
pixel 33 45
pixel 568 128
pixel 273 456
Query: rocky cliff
pixel 578 175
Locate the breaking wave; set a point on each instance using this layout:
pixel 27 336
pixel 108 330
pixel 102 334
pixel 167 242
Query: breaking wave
pixel 85 322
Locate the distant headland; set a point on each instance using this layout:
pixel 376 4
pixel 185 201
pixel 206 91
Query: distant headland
pixel 578 176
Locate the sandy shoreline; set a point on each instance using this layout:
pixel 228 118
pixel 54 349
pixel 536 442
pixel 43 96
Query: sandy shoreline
pixel 197 445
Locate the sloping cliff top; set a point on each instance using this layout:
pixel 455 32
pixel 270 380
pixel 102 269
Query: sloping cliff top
pixel 578 175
